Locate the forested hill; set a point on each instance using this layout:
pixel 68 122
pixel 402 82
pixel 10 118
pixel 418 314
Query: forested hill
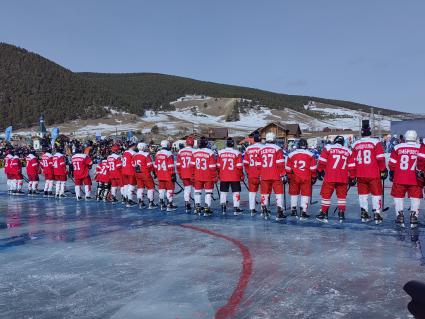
pixel 152 89
pixel 31 85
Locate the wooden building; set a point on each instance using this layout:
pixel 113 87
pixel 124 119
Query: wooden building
pixel 282 131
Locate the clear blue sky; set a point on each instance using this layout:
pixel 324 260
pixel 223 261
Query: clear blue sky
pixel 369 51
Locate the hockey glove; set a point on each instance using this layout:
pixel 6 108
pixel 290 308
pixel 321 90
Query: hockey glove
pixel 391 176
pixel 173 178
pixel 384 174
pixel 313 180
pixel 320 175
pixel 352 181
pixel 138 169
pixel 284 179
pixel 154 174
pixel 420 176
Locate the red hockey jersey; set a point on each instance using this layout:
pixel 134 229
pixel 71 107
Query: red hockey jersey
pixel 127 162
pixel 47 163
pixel 369 156
pixel 7 160
pixel 337 162
pixel 33 166
pixel 184 158
pixel 252 161
pixel 102 170
pixel 301 163
pixel 115 165
pixel 271 162
pixel 204 165
pixel 144 161
pixel 59 165
pixel 164 165
pixel 230 165
pixel 403 161
pixel 15 166
pixel 81 164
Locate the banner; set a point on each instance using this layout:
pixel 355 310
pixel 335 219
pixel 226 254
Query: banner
pixel 129 135
pixel 98 136
pixel 8 133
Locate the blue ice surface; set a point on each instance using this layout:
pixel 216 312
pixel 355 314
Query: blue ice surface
pixel 68 259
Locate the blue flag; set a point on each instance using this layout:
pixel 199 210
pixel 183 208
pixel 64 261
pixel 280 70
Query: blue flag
pixel 98 136
pixel 55 134
pixel 8 133
pixel 129 135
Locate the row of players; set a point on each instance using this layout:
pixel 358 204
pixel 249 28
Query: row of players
pixel 265 165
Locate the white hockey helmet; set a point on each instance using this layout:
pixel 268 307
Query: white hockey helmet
pixel 141 146
pixel 270 137
pixel 165 144
pixel 411 136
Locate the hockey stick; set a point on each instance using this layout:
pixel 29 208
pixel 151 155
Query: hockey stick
pixel 181 188
pixel 284 195
pixel 311 197
pixel 218 193
pixel 383 197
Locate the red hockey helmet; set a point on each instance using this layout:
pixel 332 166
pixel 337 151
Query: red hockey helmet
pixel 190 141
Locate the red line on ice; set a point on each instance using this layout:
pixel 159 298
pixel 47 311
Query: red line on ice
pixel 229 309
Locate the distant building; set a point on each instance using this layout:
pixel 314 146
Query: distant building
pixel 282 131
pixel 400 127
pixel 216 133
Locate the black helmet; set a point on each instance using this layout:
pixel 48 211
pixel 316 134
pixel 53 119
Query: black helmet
pixel 230 142
pixel 257 137
pixel 366 131
pixel 203 143
pixel 339 140
pixel 302 143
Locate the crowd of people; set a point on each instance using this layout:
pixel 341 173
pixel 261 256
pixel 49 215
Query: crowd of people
pixel 127 171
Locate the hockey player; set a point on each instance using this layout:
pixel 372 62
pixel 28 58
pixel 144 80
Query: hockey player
pixel 185 170
pixel 336 165
pixel 272 175
pixel 230 167
pixel 128 176
pixel 165 172
pixel 251 163
pixel 370 169
pixel 205 175
pixel 9 176
pixel 102 178
pixel 301 169
pixel 60 172
pixel 49 177
pixel 33 169
pixel 143 165
pixel 115 165
pixel 402 164
pixel 16 172
pixel 82 164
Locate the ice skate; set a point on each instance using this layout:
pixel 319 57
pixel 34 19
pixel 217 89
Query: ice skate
pixel 377 217
pixel 413 220
pixel 114 200
pixel 46 194
pixel 208 211
pixel 341 216
pixel 364 215
pixel 253 212
pixel 171 207
pixel 187 206
pixel 304 215
pixel 141 204
pixel 280 215
pixel 30 193
pixel 322 217
pixel 223 209
pixel 400 219
pixel 162 205
pixel 152 205
pixel 294 212
pixel 237 211
pixel 50 194
pixel 198 209
pixel 88 198
pixel 130 203
pixel 79 198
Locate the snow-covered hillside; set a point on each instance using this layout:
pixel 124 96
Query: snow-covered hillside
pixel 199 112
